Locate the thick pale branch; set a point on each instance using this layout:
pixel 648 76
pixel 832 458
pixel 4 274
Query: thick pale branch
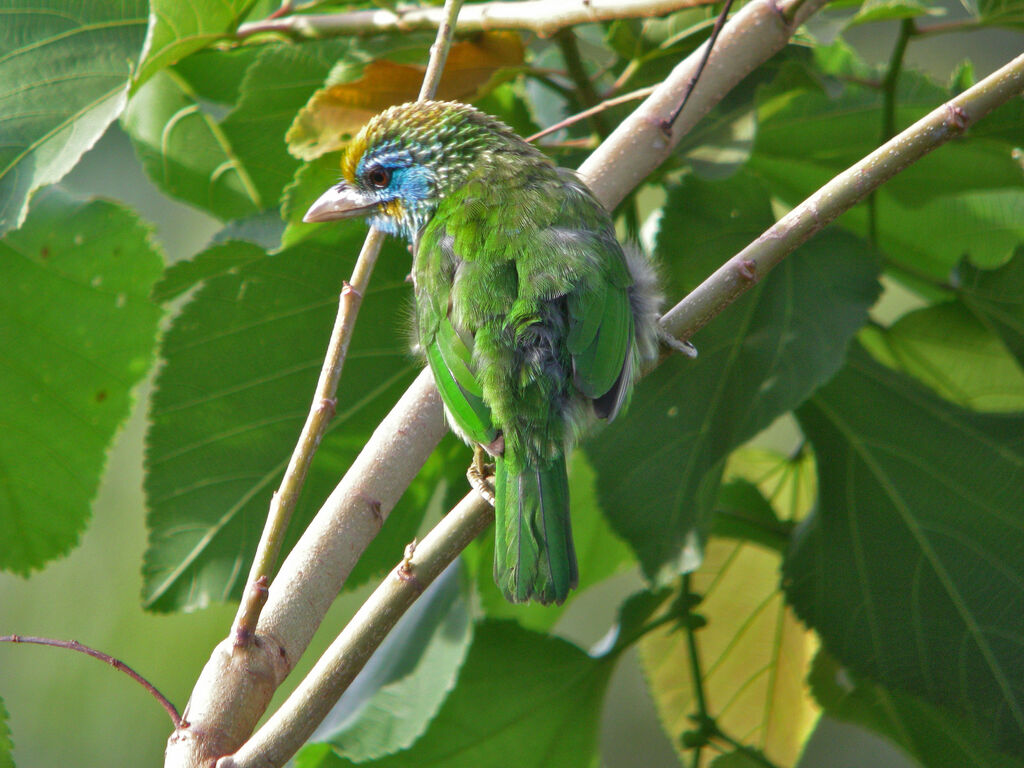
pixel 309 703
pixel 639 144
pixel 545 17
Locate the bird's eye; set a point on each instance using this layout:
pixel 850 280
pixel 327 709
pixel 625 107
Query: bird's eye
pixel 379 177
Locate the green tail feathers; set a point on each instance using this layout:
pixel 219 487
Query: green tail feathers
pixel 534 558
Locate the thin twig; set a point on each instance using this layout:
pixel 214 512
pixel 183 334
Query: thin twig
pixel 322 411
pixel 184 746
pixel 715 30
pixel 640 93
pixel 74 645
pixel 544 17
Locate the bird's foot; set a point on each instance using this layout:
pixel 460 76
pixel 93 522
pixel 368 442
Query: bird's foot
pixel 677 345
pixel 481 475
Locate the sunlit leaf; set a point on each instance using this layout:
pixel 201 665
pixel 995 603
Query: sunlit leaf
pixel 886 10
pixel 64 68
pixel 950 349
pixel 180 27
pixel 79 331
pixel 753 651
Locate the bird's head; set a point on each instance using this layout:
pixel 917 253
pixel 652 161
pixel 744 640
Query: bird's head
pixel 407 159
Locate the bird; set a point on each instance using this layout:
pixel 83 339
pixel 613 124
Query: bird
pixel 533 318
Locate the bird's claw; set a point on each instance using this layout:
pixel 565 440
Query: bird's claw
pixel 677 345
pixel 481 476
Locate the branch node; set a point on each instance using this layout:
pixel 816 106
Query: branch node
pixel 375 508
pixel 255 599
pixel 405 572
pixel 747 269
pixel 347 289
pixel 328 406
pixel 958 118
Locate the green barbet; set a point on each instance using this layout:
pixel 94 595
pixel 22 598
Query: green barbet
pixel 533 319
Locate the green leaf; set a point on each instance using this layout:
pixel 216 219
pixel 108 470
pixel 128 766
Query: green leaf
pixel 742 512
pixel 909 569
pixel 6 743
pixel 214 261
pixel 79 331
pixel 949 349
pixel 240 364
pixel 757 360
pixel 521 696
pixel 66 67
pixel 1004 13
pixel 886 10
pixel 599 551
pixel 738 759
pixel 930 735
pixel 754 656
pixel 394 698
pixel 234 165
pixel 178 28
pixel 997 298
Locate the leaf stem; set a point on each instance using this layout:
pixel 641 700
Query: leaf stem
pixel 74 645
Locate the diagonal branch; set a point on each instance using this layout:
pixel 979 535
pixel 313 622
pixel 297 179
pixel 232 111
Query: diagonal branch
pixel 353 647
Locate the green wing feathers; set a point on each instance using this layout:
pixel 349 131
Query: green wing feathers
pixel 600 341
pixel 534 557
pixel 449 360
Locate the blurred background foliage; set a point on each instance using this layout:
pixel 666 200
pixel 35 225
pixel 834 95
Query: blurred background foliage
pixel 214 156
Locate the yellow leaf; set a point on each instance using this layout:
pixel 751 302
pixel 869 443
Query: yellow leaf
pixel 754 653
pixel 335 113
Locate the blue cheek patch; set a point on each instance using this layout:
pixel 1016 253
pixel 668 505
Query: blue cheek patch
pixel 413 184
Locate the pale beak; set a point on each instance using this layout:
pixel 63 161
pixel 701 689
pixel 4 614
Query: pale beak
pixel 340 202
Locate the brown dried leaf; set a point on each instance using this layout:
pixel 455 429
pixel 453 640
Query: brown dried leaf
pixel 334 114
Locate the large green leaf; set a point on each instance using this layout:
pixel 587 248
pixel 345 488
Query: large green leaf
pixel 658 466
pixel 64 68
pixel 951 350
pixel 965 199
pixel 241 362
pixel 935 738
pixel 522 698
pixel 394 698
pixel 997 298
pixel 180 27
pixel 79 332
pixel 910 568
pixel 238 164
